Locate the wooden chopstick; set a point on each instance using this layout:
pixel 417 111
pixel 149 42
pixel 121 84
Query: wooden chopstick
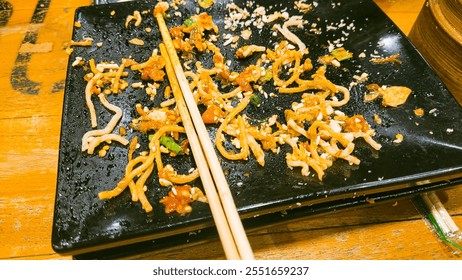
pixel 443 212
pixel 439 212
pixel 224 231
pixel 228 215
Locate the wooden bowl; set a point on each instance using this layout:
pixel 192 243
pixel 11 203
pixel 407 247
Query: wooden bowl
pixel 437 34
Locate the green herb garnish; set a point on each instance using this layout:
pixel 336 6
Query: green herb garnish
pixel 341 54
pixel 170 144
pixel 255 100
pixel 189 22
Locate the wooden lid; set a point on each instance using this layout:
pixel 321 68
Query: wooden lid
pixel 437 34
pixel 448 14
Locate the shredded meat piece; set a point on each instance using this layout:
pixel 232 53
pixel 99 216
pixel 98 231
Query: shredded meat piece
pixel 389 59
pixel 247 51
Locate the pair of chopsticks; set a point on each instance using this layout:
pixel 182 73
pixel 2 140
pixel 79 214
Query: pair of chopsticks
pixel 439 219
pixel 439 212
pixel 228 223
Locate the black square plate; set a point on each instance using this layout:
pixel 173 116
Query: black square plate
pixel 430 157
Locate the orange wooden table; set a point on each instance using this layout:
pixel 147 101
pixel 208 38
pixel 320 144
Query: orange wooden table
pixel 32 72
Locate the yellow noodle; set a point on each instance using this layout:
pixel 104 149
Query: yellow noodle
pixel 280 62
pixel 88 94
pixel 115 83
pixel 119 189
pixel 369 140
pixel 136 172
pixel 312 132
pixel 109 127
pixel 93 66
pixel 345 154
pixel 256 150
pixel 139 186
pixel 194 79
pixel 346 97
pixel 218 140
pixel 304 85
pixel 232 93
pixel 133 192
pixel 184 178
pixel 154 144
pixel 95 141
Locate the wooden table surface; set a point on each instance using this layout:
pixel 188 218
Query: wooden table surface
pixel 32 73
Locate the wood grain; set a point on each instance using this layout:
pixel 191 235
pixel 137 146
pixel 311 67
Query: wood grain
pixel 30 117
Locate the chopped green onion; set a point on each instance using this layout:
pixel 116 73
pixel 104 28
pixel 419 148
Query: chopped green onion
pixel 170 144
pixel 255 100
pixel 189 22
pixel 341 54
pixel 268 75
